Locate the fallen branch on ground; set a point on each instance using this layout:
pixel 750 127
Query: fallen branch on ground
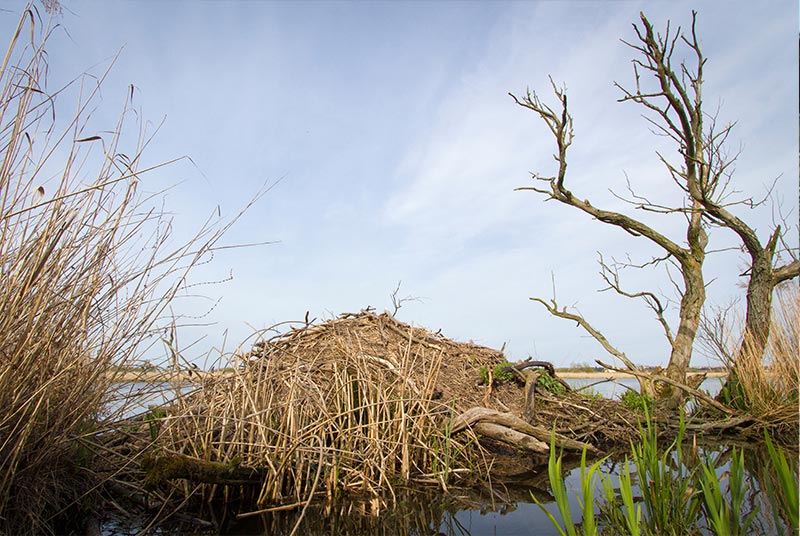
pixel 474 416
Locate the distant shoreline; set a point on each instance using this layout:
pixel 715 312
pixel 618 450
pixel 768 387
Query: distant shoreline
pixel 154 377
pixel 613 375
pixel 164 376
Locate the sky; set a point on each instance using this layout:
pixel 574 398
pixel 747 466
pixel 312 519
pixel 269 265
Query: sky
pixel 393 150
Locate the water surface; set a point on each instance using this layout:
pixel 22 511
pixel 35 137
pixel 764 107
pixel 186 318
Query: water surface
pixel 426 512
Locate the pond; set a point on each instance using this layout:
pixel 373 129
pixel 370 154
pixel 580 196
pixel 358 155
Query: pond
pixel 615 389
pixel 415 517
pixel 433 515
pixel 506 511
pixel 131 398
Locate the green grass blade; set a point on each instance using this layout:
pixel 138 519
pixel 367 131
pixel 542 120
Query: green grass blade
pixel 788 494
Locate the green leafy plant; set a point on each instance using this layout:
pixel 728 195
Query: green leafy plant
pixel 501 372
pixel 670 505
pixel 637 402
pixel 618 520
pixel 592 395
pixel 483 372
pixel 550 384
pixel 153 418
pixel 659 492
pixel 724 515
pixel 586 499
pixel 784 496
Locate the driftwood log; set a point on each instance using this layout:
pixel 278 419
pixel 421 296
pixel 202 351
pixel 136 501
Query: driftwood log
pixel 520 370
pixel 510 436
pixel 535 438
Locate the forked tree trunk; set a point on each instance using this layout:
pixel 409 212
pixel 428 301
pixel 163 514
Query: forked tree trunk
pixel 694 296
pixel 690 312
pixel 764 277
pixel 759 310
pixel 673 95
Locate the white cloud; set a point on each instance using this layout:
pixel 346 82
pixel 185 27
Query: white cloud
pixel 462 176
pixel 403 150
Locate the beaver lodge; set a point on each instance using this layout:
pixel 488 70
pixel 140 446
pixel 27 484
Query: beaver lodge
pixel 358 406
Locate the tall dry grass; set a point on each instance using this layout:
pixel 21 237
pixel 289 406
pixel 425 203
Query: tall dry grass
pixel 86 277
pixel 769 388
pixel 349 407
pixel 766 388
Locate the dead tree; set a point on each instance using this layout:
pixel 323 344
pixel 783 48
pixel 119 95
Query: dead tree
pixel 763 274
pixel 673 94
pixel 678 106
pixel 682 119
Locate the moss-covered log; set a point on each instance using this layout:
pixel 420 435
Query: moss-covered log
pixel 164 467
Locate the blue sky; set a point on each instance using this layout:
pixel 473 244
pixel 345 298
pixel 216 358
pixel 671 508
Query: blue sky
pixel 400 150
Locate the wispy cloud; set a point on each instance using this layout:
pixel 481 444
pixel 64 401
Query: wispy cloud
pixel 402 151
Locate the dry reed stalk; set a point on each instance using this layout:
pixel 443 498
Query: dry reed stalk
pixel 84 282
pixel 347 407
pixel 766 389
pixel 770 388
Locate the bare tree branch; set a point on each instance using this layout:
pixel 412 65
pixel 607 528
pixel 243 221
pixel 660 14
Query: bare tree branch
pixel 398 302
pixel 652 262
pixel 561 127
pixel 671 95
pixel 611 277
pixel 553 309
pixel 643 203
pixel 677 103
pixel 786 272
pixel 683 387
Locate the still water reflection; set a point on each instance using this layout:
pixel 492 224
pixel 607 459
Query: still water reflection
pixel 615 389
pixel 507 512
pixel 417 514
pixel 465 515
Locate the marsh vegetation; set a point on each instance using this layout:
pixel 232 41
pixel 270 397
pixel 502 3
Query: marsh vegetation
pixel 345 416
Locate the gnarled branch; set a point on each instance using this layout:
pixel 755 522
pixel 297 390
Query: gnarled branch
pixel 611 277
pixel 553 309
